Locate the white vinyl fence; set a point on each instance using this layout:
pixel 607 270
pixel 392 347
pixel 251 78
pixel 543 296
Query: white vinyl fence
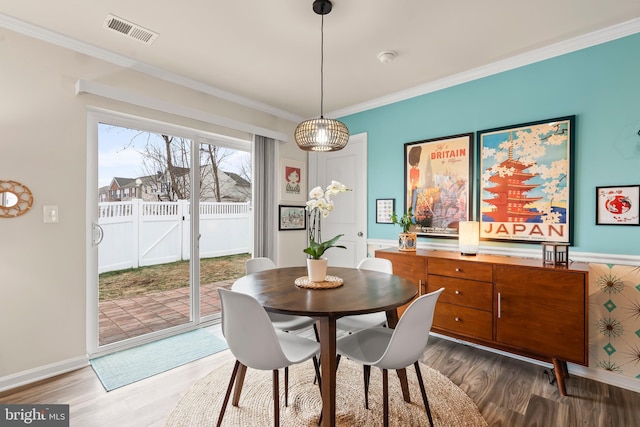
pixel 138 233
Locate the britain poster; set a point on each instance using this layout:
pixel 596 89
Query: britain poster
pixel 438 184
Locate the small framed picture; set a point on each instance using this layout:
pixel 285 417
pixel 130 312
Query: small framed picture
pixel 384 210
pixel 618 205
pixel 292 218
pixel 293 182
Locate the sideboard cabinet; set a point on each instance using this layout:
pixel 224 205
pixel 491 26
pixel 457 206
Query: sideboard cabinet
pixel 518 305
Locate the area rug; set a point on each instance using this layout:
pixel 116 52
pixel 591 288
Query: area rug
pixel 134 364
pixel 200 406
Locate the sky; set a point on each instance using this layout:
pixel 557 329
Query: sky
pixel 120 154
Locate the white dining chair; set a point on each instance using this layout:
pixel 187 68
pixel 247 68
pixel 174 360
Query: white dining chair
pixel 394 348
pixel 256 344
pixel 358 322
pixel 284 322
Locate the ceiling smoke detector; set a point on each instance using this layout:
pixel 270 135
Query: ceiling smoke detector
pixel 129 29
pixel 386 57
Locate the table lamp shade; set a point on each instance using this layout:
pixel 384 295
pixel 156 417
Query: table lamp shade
pixel 469 237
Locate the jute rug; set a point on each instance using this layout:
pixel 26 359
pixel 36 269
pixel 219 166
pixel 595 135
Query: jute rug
pixel 200 407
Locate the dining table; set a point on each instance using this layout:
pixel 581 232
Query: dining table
pixel 359 292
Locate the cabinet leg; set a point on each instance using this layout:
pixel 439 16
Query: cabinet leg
pixel 561 371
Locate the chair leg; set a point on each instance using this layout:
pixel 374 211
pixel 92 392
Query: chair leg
pixel 286 386
pixel 315 331
pixel 367 376
pixel 385 397
pixel 276 398
pixel 316 366
pixel 424 393
pixel 228 394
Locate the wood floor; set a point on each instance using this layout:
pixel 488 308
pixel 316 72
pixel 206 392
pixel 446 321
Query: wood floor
pixel 508 392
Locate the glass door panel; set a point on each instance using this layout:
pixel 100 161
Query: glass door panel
pixel 225 220
pixel 143 268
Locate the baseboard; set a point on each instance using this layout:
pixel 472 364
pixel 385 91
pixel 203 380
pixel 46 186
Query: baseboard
pixel 42 372
pixel 599 375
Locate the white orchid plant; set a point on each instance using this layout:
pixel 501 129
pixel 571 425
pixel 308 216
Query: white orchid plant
pixel 320 206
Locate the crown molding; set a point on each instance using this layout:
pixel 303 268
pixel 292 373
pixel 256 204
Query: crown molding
pixel 57 39
pixel 577 43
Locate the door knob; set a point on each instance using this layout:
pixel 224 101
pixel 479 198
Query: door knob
pixel 359 233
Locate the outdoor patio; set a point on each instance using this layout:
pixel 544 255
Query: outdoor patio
pixel 131 317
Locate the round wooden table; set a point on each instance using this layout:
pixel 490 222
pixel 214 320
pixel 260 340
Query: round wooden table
pixel 363 291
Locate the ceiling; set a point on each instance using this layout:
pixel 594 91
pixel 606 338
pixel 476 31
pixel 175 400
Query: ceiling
pixel 268 52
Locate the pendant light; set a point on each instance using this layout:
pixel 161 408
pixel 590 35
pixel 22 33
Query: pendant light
pixel 322 134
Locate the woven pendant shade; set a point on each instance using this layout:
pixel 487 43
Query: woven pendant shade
pixel 321 135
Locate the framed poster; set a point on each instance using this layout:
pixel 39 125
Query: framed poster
pixel 384 210
pixel 292 218
pixel 292 180
pixel 618 205
pixel 437 182
pixel 526 181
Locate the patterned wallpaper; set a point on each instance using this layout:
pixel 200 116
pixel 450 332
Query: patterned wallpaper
pixel 614 318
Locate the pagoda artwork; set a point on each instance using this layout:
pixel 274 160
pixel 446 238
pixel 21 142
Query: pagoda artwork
pixel 510 200
pixel 525 182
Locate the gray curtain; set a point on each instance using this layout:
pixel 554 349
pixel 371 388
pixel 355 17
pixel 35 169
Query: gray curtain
pixel 264 200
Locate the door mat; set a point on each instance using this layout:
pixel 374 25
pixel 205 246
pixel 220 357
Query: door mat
pixel 134 364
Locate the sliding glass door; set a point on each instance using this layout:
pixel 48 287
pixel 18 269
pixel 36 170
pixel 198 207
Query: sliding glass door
pixel 158 261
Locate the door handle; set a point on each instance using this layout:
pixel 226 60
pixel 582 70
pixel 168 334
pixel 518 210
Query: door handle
pixel 98 234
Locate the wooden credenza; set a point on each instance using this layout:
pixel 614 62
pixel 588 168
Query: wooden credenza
pixel 512 304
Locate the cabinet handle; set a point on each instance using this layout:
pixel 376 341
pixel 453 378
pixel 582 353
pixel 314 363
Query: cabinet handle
pixel 420 287
pixel 499 305
pixel 457 292
pixel 458 269
pixel 457 319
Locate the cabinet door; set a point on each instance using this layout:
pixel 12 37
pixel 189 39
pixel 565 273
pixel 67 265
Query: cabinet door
pixel 410 267
pixel 542 311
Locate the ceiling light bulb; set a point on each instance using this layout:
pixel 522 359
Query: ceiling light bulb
pixel 386 57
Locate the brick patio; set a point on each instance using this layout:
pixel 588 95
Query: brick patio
pixel 131 317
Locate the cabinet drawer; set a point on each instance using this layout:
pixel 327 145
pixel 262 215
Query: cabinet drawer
pixel 460 269
pixel 468 293
pixel 463 320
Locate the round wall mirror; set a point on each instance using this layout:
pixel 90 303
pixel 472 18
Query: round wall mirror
pixel 8 199
pixel 15 199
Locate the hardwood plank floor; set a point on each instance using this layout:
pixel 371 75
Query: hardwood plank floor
pixel 509 392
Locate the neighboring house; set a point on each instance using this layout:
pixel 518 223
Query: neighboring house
pixel 233 188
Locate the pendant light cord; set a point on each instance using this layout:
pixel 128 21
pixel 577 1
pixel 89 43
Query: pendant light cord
pixel 321 65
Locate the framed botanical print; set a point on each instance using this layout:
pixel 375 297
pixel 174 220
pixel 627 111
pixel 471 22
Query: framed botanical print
pixel 526 181
pixel 292 218
pixel 618 205
pixel 293 184
pixel 438 190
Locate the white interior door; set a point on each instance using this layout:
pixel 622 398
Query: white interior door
pixel 349 217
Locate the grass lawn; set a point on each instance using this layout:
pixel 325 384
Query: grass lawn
pixel 139 281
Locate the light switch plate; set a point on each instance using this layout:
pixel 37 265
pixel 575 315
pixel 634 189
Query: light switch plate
pixel 50 214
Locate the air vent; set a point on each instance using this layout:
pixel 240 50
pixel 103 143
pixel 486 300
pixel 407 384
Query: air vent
pixel 129 29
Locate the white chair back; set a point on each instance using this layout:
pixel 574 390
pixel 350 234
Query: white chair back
pixel 382 265
pixel 255 265
pixel 411 334
pixel 249 333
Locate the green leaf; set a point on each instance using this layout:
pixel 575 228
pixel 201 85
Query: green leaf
pixel 316 250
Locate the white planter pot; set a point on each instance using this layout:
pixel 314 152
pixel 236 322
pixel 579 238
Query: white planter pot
pixel 317 269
